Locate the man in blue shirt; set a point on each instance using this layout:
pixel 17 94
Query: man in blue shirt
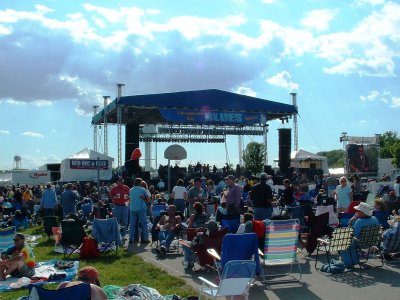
pixel 68 200
pixel 49 201
pixel 138 210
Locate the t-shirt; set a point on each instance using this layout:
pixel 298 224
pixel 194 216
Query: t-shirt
pixel 120 194
pixel 179 192
pixel 26 251
pixel 195 193
pixel 137 203
pixel 343 196
pixel 260 193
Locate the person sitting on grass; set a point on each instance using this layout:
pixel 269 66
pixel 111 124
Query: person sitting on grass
pixel 17 260
pixel 168 226
pixel 87 275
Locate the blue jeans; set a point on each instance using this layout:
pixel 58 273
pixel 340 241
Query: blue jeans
pixel 262 213
pixel 180 205
pixel 166 237
pixel 189 256
pixel 120 212
pixel 142 216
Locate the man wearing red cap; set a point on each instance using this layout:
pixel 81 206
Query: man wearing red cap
pixel 91 276
pixel 120 196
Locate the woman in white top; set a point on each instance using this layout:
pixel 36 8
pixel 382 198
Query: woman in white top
pixel 179 194
pixel 343 195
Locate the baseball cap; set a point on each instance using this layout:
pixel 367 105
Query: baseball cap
pixel 263 175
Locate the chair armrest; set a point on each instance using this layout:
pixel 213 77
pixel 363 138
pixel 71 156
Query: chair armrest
pixel 323 241
pixel 184 243
pixel 209 283
pixel 260 253
pixel 214 253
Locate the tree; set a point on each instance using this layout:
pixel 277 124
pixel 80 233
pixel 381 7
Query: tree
pixel 253 157
pixel 386 141
pixel 395 151
pixel 335 158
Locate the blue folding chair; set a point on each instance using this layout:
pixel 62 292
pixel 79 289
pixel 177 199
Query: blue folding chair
pixel 236 280
pixel 157 209
pixel 76 292
pixel 232 224
pixel 382 217
pixel 344 219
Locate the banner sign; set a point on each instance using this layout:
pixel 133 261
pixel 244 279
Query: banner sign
pixel 213 117
pixel 88 164
pixel 362 140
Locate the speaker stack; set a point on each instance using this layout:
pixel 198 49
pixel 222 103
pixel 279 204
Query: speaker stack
pixel 285 146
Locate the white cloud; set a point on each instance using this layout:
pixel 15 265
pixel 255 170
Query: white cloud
pixel 284 80
pixel 53 130
pixel 395 102
pixel 33 134
pixel 318 19
pixel 362 122
pixel 370 2
pixel 3 131
pixel 14 102
pixel 40 103
pixel 34 162
pixel 374 95
pixel 246 91
pixel 268 1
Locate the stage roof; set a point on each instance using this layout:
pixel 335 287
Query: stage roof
pixel 203 107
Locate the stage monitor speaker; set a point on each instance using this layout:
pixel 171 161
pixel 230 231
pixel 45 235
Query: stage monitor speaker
pixel 285 147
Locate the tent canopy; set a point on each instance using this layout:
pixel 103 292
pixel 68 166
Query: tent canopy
pixel 305 159
pixel 84 166
pixel 302 155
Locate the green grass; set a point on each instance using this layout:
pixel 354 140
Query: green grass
pixel 121 269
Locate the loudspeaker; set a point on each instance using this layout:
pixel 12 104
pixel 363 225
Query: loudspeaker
pixel 285 147
pixel 268 170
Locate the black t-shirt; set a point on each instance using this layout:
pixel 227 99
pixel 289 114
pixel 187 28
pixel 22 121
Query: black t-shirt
pixel 287 196
pixel 260 193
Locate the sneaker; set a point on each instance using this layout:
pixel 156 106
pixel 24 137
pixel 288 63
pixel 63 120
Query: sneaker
pixel 163 250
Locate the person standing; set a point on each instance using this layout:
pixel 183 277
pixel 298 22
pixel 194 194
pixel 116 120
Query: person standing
pixel 49 201
pixel 196 194
pixel 138 211
pixel 179 195
pixel 261 196
pixel 343 195
pixel 120 196
pixel 68 200
pixel 397 188
pixel 233 196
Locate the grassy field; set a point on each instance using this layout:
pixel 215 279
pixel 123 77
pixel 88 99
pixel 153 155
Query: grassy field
pixel 121 270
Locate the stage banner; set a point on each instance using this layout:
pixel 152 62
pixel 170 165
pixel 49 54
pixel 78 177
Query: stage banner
pixel 214 117
pixel 88 164
pixel 362 159
pixel 362 140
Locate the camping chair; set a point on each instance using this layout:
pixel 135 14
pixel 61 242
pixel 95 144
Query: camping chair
pixel 281 242
pixel 391 239
pixel 192 232
pixel 178 234
pixel 72 234
pixel 106 234
pixel 319 227
pixel 333 220
pixel 157 209
pixel 76 292
pixel 382 217
pixel 344 219
pixel 369 238
pixel 236 280
pixel 237 247
pixel 6 237
pixel 231 224
pixel 341 240
pixel 48 223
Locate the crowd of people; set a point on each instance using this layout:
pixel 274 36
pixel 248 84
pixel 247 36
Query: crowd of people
pixel 196 203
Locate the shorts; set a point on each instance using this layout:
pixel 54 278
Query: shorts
pixel 24 271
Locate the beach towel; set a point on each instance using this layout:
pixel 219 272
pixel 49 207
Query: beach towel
pixel 44 271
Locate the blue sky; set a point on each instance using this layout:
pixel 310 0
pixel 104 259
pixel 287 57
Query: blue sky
pixel 58 58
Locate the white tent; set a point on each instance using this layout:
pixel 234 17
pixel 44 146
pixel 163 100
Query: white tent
pixel 308 160
pixel 82 166
pixel 5 178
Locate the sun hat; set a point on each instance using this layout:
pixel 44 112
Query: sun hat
pixel 365 208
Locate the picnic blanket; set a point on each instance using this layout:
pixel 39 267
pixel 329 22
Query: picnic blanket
pixel 43 271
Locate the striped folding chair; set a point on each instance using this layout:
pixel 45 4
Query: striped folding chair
pixel 6 237
pixel 280 249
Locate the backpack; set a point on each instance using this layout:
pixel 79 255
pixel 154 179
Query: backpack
pixel 89 248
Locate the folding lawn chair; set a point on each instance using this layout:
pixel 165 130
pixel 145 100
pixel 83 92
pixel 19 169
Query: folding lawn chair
pixel 382 217
pixel 76 292
pixel 333 220
pixel 6 237
pixel 48 223
pixel 237 247
pixel 106 234
pixel 72 234
pixel 340 240
pixel 281 244
pixel 369 238
pixel 236 280
pixel 231 224
pixel 344 218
